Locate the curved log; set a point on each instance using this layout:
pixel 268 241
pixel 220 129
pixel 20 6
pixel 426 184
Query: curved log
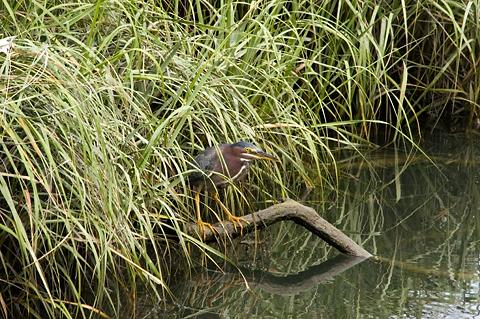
pixel 288 210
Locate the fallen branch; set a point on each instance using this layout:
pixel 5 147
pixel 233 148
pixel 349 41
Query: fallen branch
pixel 288 210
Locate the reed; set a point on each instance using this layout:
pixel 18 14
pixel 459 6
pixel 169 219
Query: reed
pixel 103 105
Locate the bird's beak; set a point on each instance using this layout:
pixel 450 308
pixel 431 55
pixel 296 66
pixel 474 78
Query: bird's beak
pixel 265 156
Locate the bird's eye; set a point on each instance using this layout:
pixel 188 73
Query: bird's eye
pixel 249 150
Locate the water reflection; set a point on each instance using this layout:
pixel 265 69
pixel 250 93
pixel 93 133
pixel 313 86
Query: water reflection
pixel 421 220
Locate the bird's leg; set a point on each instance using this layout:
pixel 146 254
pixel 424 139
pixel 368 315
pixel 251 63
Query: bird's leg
pixel 231 218
pixel 200 222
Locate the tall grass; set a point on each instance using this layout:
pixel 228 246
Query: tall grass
pixel 103 105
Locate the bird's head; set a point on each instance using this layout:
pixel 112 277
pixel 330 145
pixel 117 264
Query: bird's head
pixel 248 152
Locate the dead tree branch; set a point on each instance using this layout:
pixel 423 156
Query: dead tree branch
pixel 288 210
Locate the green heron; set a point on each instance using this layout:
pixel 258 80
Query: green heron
pixel 214 172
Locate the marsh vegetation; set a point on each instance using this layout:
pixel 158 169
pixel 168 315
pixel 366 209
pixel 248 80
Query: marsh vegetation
pixel 105 103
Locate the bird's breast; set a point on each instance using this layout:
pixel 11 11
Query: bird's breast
pixel 240 174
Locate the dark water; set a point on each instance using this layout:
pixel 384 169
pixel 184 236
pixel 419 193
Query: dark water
pixel 420 220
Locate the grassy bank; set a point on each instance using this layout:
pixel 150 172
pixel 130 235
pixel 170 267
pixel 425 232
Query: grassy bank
pixel 103 105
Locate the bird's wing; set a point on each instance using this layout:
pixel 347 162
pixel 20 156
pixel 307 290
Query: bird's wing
pixel 204 164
